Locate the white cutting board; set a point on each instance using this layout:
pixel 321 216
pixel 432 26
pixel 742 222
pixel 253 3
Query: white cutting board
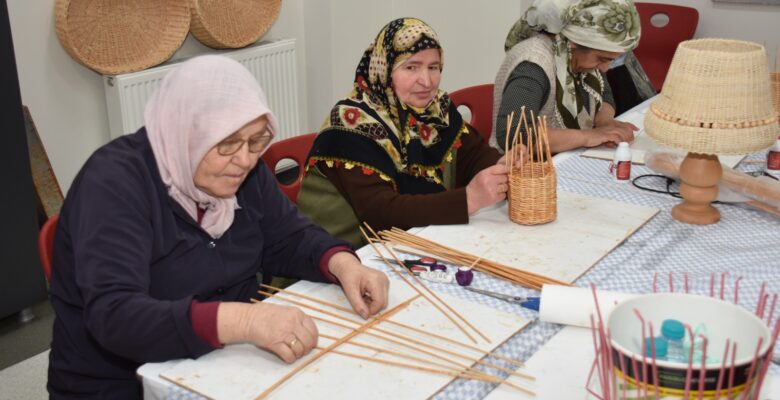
pixel 244 372
pixel 586 229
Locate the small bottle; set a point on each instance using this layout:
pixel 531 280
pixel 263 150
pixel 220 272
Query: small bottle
pixel 773 160
pixel 674 332
pixel 661 348
pixel 464 276
pixel 621 163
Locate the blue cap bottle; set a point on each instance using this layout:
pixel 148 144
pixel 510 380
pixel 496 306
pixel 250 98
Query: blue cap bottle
pixel 660 347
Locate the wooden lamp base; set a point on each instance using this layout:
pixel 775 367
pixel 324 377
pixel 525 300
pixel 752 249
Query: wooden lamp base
pixel 699 176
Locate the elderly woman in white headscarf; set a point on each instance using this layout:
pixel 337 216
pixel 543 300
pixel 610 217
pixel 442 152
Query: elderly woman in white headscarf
pixel 163 232
pixel 556 55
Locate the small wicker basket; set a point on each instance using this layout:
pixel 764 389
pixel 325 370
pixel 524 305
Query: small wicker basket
pixel 118 36
pixel 532 195
pixel 222 24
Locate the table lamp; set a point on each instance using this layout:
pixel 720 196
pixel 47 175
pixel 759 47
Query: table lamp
pixel 716 99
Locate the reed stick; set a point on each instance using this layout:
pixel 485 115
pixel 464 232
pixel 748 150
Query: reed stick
pixel 431 292
pixel 333 345
pixel 390 321
pixel 431 370
pixel 401 339
pixel 423 285
pixel 453 256
pixel 465 372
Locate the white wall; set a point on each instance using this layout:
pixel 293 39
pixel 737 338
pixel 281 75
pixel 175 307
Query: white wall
pixel 68 103
pixel 753 22
pixel 67 100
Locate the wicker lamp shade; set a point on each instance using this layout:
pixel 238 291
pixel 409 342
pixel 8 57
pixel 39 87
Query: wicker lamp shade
pixel 716 99
pixel 118 36
pixel 224 24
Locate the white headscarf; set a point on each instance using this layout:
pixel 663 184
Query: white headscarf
pixel 198 104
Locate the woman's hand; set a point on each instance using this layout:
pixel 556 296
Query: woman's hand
pixel 487 187
pixel 365 288
pixel 282 330
pixel 610 134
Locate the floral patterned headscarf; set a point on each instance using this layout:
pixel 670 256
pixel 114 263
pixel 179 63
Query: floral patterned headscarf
pixel 607 25
pixel 373 129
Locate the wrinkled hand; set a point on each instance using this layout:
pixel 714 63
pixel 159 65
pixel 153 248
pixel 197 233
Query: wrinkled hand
pixel 365 288
pixel 488 187
pixel 610 134
pixel 282 330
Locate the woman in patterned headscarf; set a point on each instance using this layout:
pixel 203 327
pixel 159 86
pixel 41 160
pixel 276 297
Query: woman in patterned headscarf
pixel 396 152
pixel 556 55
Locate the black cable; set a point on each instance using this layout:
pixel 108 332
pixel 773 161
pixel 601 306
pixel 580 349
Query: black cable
pixel 669 182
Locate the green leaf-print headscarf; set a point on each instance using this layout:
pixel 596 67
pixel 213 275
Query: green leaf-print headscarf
pixel 607 25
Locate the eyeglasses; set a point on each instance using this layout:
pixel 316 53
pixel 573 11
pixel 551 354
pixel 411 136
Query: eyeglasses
pixel 257 143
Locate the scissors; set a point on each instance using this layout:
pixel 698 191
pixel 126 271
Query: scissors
pixel 425 262
pixel 531 303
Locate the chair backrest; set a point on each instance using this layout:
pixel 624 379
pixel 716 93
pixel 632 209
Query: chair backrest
pixel 46 244
pixel 295 148
pixel 479 100
pixel 658 44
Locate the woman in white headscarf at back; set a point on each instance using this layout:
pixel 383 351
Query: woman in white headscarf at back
pixel 163 232
pixel 556 55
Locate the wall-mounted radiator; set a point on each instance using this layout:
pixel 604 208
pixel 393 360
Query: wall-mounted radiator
pixel 273 64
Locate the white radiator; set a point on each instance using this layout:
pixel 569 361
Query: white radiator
pixel 273 64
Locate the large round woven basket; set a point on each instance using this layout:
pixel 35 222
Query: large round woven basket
pixel 715 99
pixel 224 24
pixel 118 36
pixel 532 195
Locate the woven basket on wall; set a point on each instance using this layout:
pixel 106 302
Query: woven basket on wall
pixel 222 24
pixel 532 195
pixel 118 36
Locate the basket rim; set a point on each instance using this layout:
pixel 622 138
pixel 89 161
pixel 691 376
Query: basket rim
pixel 175 30
pixel 208 33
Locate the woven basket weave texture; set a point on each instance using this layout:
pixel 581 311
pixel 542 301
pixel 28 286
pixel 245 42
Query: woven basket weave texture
pixel 533 195
pixel 119 36
pixel 716 99
pixel 224 24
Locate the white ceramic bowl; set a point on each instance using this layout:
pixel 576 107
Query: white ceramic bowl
pixel 723 320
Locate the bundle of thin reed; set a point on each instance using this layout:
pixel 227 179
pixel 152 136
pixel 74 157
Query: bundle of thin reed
pixel 532 194
pixel 426 292
pixel 414 244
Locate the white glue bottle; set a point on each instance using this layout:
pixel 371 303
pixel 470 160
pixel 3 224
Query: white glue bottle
pixel 621 163
pixel 773 160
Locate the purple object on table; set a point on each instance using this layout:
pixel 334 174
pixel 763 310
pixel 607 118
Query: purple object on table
pixel 437 267
pixel 464 276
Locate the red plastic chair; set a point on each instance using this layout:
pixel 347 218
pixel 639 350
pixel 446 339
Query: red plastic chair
pixel 295 148
pixel 479 100
pixel 658 44
pixel 46 244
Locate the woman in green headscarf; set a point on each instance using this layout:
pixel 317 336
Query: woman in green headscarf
pixel 556 55
pixel 396 152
